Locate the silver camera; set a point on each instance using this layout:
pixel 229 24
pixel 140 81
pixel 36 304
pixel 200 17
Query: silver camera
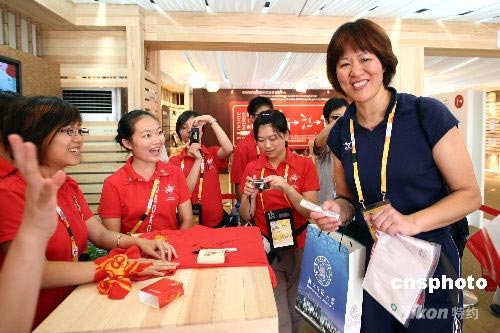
pixel 260 184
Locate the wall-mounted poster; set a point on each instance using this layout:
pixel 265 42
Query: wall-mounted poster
pixel 305 120
pixel 304 112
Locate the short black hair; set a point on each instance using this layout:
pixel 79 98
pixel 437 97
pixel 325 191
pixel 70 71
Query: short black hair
pixel 126 125
pixel 7 101
pixel 37 119
pixel 360 35
pixel 183 118
pixel 333 104
pixel 276 118
pixel 257 102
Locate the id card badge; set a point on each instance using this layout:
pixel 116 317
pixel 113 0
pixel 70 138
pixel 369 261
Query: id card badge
pixel 197 214
pixel 373 209
pixel 280 225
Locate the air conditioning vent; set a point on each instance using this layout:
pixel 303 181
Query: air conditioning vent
pixel 90 101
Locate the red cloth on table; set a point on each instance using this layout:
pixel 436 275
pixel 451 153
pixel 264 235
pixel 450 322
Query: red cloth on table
pixel 114 273
pixel 247 240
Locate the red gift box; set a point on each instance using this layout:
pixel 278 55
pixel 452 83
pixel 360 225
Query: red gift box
pixel 161 292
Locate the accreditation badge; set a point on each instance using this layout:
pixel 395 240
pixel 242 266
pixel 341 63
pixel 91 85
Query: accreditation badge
pixel 196 214
pixel 280 225
pixel 371 209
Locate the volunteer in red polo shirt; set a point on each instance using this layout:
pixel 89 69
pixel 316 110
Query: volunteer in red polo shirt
pixel 274 204
pixel 247 149
pixel 201 166
pixel 55 128
pixel 145 194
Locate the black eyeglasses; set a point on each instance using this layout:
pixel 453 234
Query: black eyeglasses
pixel 74 132
pixel 334 117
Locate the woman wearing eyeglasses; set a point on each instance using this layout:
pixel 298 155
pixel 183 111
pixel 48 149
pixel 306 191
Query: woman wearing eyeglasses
pixel 334 109
pixel 54 126
pixel 145 194
pixel 274 207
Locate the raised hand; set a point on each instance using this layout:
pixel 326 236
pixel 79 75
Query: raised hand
pixel 41 193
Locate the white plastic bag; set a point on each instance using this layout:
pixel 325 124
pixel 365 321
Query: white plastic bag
pixel 396 273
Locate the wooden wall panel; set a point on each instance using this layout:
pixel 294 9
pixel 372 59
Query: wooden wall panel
pixel 409 76
pixel 38 76
pixel 88 58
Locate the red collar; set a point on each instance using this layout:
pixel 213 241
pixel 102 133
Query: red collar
pixel 160 171
pixel 263 161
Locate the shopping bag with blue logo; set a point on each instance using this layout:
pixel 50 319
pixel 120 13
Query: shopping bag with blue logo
pixel 330 293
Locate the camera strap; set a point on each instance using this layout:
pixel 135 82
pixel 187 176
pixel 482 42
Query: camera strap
pixel 285 176
pixel 64 219
pixel 202 172
pixel 279 221
pixel 152 195
pixel 196 208
pixel 383 169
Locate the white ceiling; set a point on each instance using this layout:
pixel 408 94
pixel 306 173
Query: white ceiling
pixel 453 10
pixel 285 69
pixel 282 70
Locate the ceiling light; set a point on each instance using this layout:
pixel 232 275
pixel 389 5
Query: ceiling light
pixel 197 80
pixel 301 87
pixel 212 86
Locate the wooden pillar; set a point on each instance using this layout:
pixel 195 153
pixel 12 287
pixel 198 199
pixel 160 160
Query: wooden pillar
pixel 409 76
pixel 153 67
pixel 135 67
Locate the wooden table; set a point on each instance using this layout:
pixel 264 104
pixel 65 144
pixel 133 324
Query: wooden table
pixel 229 299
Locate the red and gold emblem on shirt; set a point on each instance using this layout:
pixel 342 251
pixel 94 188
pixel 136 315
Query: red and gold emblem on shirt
pixel 169 189
pixel 210 162
pixel 294 178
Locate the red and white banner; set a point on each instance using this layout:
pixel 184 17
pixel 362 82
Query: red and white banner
pixel 305 120
pixel 485 246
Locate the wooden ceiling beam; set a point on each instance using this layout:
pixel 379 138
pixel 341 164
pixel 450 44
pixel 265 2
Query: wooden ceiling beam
pixel 447 52
pixel 310 32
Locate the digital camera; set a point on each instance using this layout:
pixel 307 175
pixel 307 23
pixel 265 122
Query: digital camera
pixel 194 135
pixel 260 184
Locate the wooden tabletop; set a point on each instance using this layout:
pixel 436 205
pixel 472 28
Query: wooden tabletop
pixel 224 299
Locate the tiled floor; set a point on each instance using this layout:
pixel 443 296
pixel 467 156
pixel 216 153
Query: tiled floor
pixel 492 191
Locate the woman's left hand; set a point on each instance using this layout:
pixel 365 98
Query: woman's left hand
pixel 157 248
pixel 392 222
pixel 158 267
pixel 277 182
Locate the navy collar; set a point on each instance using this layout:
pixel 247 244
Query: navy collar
pixel 350 112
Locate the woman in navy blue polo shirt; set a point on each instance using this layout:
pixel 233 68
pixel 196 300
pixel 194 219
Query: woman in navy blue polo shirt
pixel 401 153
